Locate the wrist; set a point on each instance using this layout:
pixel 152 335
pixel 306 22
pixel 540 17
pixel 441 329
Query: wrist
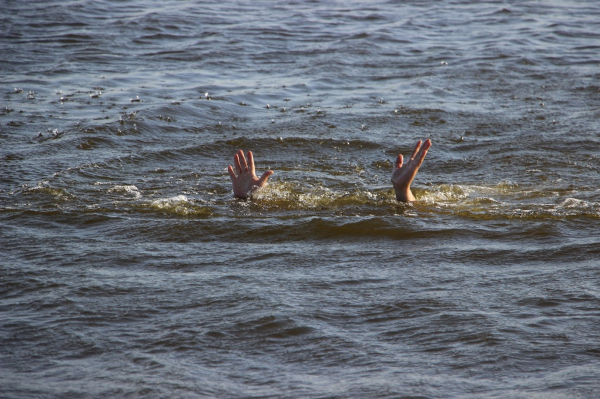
pixel 404 195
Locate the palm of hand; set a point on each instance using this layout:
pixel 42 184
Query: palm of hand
pixel 245 181
pixel 404 173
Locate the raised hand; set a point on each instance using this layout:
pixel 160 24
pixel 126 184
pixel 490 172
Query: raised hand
pixel 245 181
pixel 404 173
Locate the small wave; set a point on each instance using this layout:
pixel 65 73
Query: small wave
pixel 45 189
pixel 180 205
pixel 127 190
pixel 505 200
pixel 576 203
pixel 444 192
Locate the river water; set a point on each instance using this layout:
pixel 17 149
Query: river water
pixel 129 270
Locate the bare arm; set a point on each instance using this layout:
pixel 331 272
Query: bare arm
pixel 245 181
pixel 404 173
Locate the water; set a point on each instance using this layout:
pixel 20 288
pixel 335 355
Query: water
pixel 129 270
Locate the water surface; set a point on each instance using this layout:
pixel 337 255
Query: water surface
pixel 129 270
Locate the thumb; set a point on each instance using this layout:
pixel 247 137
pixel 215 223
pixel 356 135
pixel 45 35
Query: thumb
pixel 265 176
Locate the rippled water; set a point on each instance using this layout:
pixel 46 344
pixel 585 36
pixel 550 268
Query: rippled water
pixel 129 270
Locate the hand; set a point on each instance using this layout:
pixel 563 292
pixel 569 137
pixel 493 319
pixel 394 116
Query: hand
pixel 404 174
pixel 246 182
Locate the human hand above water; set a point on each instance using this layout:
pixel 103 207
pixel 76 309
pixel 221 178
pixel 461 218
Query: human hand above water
pixel 404 173
pixel 245 181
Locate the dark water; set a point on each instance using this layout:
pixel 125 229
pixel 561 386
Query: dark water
pixel 129 270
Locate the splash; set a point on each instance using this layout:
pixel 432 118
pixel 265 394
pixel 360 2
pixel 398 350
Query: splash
pixel 290 196
pixel 129 190
pixel 506 200
pixel 180 205
pixel 45 189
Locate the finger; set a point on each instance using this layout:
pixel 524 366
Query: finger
pixel 265 176
pixel 251 163
pixel 236 162
pixel 231 173
pixel 399 162
pixel 243 160
pixel 423 152
pixel 415 150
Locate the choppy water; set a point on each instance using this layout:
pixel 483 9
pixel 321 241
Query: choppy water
pixel 129 270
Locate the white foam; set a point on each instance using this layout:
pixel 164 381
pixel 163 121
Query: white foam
pixel 128 190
